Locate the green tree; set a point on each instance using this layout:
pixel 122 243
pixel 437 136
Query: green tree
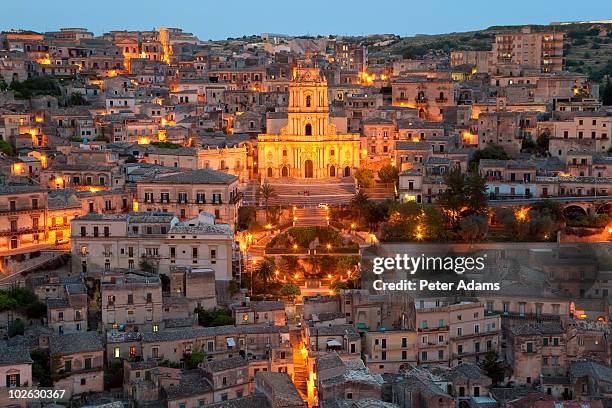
pixel 217 317
pixel 291 290
pixel 36 310
pixel 542 141
pixel 6 148
pixel 452 200
pixel 266 192
pixel 194 359
pixel 265 271
pixel 389 174
pixel 41 370
pixel 338 285
pixel 492 151
pixel 465 193
pixel 473 228
pixel 476 193
pixel 76 99
pixel 233 287
pixel 166 145
pixel 494 368
pixel 365 177
pixel 16 328
pixel 360 202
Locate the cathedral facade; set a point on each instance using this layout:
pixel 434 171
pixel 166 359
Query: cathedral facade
pixel 308 146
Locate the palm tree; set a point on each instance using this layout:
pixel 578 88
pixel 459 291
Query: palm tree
pixel 266 191
pixel 265 271
pixel 359 202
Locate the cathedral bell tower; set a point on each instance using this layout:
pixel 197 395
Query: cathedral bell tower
pixel 308 111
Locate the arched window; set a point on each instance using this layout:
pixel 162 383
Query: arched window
pixel 308 130
pixel 284 152
pixel 308 101
pixel 269 171
pixel 332 152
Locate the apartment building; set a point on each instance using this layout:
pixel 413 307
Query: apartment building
pixel 67 313
pixel 540 50
pixel 457 333
pixel 23 220
pixel 429 95
pixel 15 372
pixel 229 377
pixel 188 193
pixel 584 132
pixel 131 302
pixel 536 349
pixel 157 241
pixel 254 312
pixel 509 178
pixel 78 362
pixel 389 351
pixel 506 129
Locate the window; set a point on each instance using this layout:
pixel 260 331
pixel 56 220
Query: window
pixel 88 363
pixel 117 352
pixel 67 366
pixel 13 380
pixel 529 347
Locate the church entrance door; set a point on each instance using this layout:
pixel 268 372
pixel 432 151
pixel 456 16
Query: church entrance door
pixel 308 169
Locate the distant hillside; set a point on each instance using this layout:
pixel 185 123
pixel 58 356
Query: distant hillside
pixel 588 47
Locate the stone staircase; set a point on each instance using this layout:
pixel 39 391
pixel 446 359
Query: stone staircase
pixel 380 192
pixel 300 364
pixel 312 192
pixel 249 191
pixel 310 217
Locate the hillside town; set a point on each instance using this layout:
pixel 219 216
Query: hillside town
pixel 194 223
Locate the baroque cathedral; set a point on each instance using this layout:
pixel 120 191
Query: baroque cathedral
pixel 309 145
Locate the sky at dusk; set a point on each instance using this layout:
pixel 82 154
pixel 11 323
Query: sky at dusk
pixel 222 19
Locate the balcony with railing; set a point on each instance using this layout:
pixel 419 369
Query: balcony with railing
pixel 22 231
pixel 21 209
